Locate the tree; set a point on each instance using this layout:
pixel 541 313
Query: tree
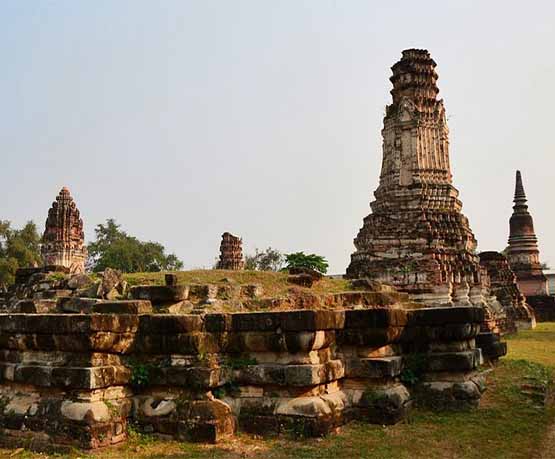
pixel 18 249
pixel 312 261
pixel 266 260
pixel 114 248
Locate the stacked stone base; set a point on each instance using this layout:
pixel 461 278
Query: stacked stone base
pixel 80 380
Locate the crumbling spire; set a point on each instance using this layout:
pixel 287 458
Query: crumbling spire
pixel 520 195
pixel 231 253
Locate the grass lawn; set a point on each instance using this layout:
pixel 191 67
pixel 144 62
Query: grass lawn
pixel 509 424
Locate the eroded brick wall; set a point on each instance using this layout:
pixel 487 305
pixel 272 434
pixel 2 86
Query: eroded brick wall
pixel 80 379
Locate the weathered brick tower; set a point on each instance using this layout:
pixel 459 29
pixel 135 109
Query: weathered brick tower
pixel 63 238
pixel 231 253
pixel 523 253
pixel 416 237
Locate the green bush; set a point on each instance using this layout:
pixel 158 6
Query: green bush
pixel 302 260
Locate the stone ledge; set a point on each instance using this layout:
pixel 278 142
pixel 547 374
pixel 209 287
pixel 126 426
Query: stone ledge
pixel 375 318
pixel 296 320
pixel 70 377
pixel 442 316
pixel 383 367
pixel 67 323
pixel 453 361
pixel 290 375
pixel 123 307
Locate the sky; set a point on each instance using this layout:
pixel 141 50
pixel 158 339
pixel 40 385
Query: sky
pixel 184 119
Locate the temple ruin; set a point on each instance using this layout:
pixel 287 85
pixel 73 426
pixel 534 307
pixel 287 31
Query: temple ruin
pixel 231 253
pixel 82 357
pixel 416 237
pixel 503 284
pixel 63 241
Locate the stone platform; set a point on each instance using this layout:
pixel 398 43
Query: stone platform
pixel 80 379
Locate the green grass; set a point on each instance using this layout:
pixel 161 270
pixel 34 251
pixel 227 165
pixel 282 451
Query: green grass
pixel 509 424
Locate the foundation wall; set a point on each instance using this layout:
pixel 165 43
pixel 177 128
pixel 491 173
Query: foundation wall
pixel 81 379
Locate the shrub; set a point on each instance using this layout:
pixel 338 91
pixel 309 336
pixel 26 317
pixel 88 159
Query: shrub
pixel 302 260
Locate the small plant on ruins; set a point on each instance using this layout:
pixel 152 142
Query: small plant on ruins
pixel 265 260
pixel 112 408
pixel 56 277
pixel 229 388
pixel 140 374
pixel 236 363
pixel 414 366
pixel 137 437
pixel 297 428
pixel 302 260
pixel 373 397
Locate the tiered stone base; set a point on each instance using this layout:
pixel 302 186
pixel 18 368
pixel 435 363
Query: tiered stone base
pixel 80 379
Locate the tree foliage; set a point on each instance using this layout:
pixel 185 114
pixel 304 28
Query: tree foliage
pixel 265 260
pixel 114 248
pixel 302 260
pixel 18 249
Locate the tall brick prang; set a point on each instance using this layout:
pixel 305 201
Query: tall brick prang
pixel 416 237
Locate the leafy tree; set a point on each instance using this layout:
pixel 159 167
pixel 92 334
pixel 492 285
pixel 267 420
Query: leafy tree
pixel 18 249
pixel 265 260
pixel 114 248
pixel 301 260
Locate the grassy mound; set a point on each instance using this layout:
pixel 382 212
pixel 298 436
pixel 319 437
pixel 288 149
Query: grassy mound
pixel 274 284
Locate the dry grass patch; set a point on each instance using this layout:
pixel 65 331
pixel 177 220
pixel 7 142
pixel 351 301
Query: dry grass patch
pixel 274 283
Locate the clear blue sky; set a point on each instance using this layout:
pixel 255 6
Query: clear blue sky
pixel 185 119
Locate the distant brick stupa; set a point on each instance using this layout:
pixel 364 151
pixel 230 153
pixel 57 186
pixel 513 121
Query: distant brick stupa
pixel 63 238
pixel 416 237
pixel 523 253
